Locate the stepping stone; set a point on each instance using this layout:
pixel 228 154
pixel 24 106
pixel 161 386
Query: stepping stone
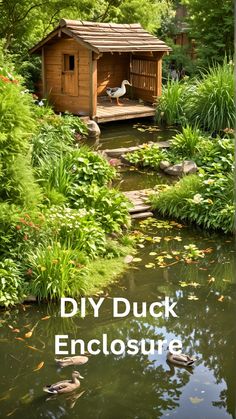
pixel 139 208
pixel 138 215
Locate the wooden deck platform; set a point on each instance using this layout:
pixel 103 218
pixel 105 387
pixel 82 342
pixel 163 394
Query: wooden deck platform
pixel 107 111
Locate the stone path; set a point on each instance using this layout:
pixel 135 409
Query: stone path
pixel 141 206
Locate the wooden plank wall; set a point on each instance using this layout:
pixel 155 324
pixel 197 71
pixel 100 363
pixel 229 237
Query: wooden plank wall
pixel 53 76
pixel 111 70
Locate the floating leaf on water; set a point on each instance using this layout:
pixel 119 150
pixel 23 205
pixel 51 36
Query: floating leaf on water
pixel 183 284
pixel 221 298
pixel 195 284
pixel 150 265
pixel 195 400
pixel 28 334
pixel 141 246
pixel 39 366
pixel 153 253
pixel 178 238
pixel 46 318
pixel 15 330
pixel 208 250
pixel 137 259
pixel 193 297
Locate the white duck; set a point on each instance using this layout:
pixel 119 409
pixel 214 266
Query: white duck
pixel 117 92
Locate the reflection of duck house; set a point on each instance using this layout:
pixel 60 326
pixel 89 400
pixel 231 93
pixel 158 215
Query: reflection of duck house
pixel 80 60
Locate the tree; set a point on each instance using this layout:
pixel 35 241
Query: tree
pixel 212 27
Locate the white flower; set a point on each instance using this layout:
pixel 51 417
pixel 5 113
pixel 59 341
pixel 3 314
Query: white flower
pixel 208 181
pixel 197 199
pixel 41 103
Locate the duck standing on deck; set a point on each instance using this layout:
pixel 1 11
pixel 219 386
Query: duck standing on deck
pixel 117 92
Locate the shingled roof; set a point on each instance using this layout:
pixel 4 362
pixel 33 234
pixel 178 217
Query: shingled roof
pixel 106 37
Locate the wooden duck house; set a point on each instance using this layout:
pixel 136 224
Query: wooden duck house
pixel 80 60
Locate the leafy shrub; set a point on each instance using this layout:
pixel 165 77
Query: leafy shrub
pixel 76 168
pixel 109 206
pixel 11 283
pixel 16 120
pixel 76 229
pixel 207 201
pixel 216 156
pixel 148 156
pixel 171 105
pixel 19 231
pixel 212 104
pixel 56 272
pixel 49 143
pixel 17 182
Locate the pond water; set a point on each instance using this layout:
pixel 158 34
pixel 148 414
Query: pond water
pixel 135 386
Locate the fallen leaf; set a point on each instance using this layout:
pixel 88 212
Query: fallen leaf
pixel 15 330
pixel 221 298
pixel 45 318
pixel 153 253
pixel 39 366
pixel 28 334
pixel 195 400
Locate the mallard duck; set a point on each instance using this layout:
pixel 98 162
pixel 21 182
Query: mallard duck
pixel 116 92
pixel 65 386
pixel 180 359
pixel 72 360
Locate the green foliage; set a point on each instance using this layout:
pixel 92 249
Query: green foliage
pixel 187 143
pixel 87 166
pixel 171 105
pixel 181 56
pixel 212 104
pixel 207 102
pixel 56 271
pixel 216 156
pixel 109 206
pixel 212 27
pixel 206 201
pixel 11 283
pixel 147 156
pixel 76 229
pixel 72 170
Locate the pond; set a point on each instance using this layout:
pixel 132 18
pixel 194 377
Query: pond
pixel 135 386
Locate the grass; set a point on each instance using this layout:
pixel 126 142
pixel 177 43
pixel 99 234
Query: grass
pixel 212 104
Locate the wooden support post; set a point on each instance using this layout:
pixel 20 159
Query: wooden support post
pixel 93 85
pixel 44 90
pixel 159 77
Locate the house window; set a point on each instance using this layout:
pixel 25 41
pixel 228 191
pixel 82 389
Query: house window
pixel 69 62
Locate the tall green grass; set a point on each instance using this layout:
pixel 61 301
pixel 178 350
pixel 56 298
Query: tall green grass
pixel 171 106
pixel 212 104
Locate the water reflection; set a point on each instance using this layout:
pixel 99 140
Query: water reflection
pixel 139 386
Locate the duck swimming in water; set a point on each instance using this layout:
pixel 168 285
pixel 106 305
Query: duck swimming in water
pixel 65 386
pixel 180 359
pixel 72 360
pixel 117 92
